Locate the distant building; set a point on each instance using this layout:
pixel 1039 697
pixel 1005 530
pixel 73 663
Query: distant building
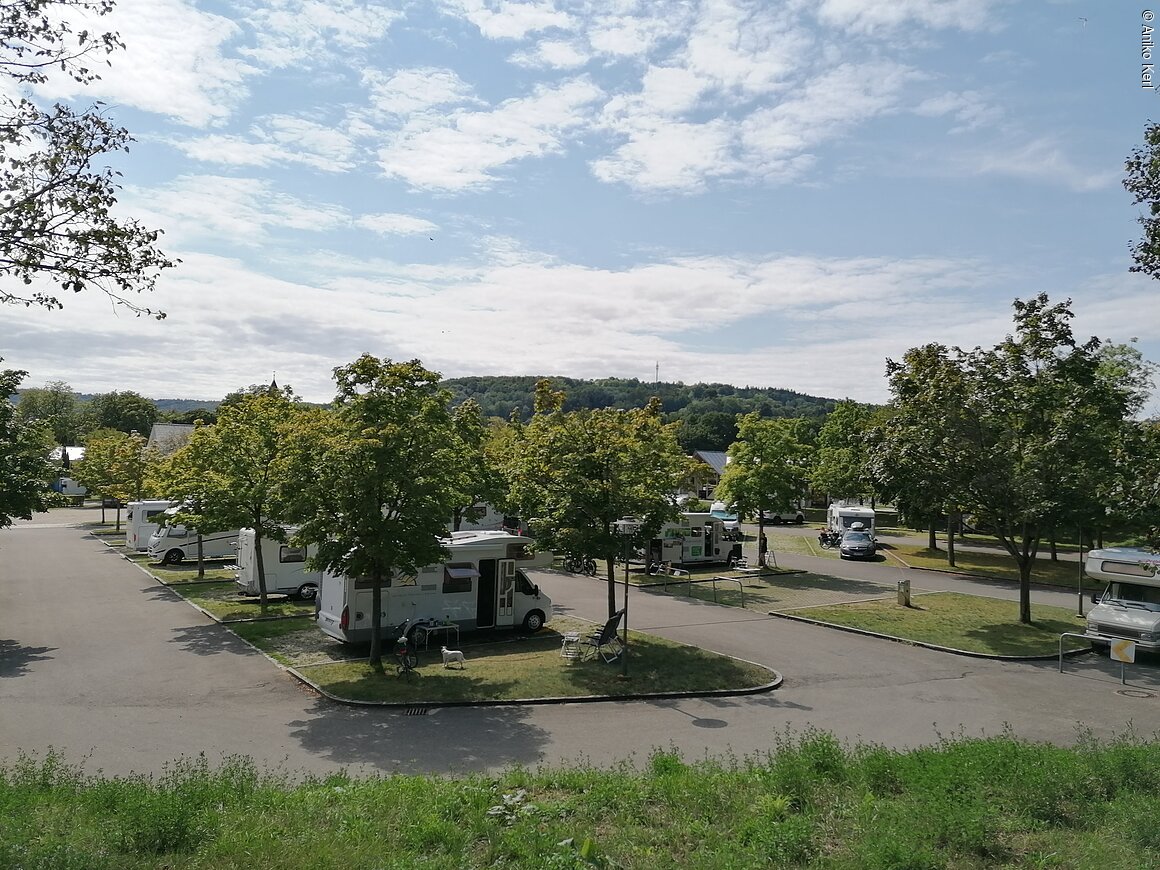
pixel 706 481
pixel 168 437
pixel 64 456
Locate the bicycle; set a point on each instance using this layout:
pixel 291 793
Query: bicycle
pixel 580 565
pixel 827 540
pixel 404 650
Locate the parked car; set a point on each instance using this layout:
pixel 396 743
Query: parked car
pixel 729 520
pixel 857 544
pixel 795 517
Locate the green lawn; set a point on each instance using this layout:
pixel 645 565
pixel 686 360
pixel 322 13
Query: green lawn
pixel 966 622
pixel 500 667
pixel 996 564
pixel 186 572
pixel 223 602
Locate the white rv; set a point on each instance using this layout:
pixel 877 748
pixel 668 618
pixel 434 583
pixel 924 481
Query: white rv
pixel 696 538
pixel 173 543
pixel 842 517
pixel 285 565
pixel 140 522
pixel 482 585
pixel 1129 608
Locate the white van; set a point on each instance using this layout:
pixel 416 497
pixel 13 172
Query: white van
pixel 1129 608
pixel 140 522
pixel 173 543
pixel 285 566
pixel 842 517
pixel 482 585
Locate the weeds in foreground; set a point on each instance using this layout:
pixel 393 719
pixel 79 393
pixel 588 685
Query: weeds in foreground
pixel 810 801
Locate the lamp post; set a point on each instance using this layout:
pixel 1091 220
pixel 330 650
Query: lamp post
pixel 625 527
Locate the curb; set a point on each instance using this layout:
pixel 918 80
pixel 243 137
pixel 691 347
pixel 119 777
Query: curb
pixel 931 646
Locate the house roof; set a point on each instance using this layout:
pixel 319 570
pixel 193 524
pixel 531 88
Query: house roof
pixel 167 437
pixel 715 459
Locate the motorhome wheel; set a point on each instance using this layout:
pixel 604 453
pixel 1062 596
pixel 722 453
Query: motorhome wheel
pixel 173 557
pixel 308 591
pixel 533 622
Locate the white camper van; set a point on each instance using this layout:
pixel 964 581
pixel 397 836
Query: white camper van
pixel 694 539
pixel 842 517
pixel 482 585
pixel 173 543
pixel 140 522
pixel 285 564
pixel 1129 608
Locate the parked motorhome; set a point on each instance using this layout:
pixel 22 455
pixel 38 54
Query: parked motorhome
pixel 842 517
pixel 481 585
pixel 284 564
pixel 173 543
pixel 488 519
pixel 141 522
pixel 69 486
pixel 1129 608
pixel 694 539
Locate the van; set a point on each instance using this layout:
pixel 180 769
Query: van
pixel 696 538
pixel 481 585
pixel 284 564
pixel 141 522
pixel 842 518
pixel 1129 608
pixel 173 543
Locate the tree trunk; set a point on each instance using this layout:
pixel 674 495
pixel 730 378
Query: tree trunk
pixel 375 658
pixel 117 527
pixel 262 601
pixel 760 538
pixel 612 585
pixel 932 541
pixel 1052 548
pixel 1025 589
pixel 200 559
pixel 951 517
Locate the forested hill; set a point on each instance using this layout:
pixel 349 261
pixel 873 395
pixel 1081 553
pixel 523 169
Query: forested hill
pixel 499 395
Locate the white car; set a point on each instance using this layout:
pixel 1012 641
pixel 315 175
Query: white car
pixel 795 517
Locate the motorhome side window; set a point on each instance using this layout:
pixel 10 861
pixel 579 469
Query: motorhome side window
pixel 1131 569
pixel 364 582
pixel 291 554
pixel 695 532
pixel 518 551
pixel 457 577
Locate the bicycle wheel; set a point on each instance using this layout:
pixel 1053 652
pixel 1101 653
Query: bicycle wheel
pixel 408 661
pixel 590 567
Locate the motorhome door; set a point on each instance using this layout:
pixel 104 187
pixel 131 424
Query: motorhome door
pixel 506 594
pixel 486 595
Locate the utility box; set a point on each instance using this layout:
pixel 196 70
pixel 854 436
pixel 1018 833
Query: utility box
pixel 904 593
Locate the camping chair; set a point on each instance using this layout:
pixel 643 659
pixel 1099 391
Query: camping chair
pixel 604 643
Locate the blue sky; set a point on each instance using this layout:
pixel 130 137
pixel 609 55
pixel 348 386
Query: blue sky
pixel 768 193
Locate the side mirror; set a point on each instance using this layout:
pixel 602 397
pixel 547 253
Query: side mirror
pixel 536 590
pixel 1095 598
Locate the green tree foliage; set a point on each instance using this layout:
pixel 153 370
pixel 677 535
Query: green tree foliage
pixel 1041 423
pixel 24 467
pixel 1142 180
pixel 482 481
pixel 767 468
pixel 712 430
pixel 56 407
pixel 377 479
pixel 57 230
pixel 575 473
pixel 840 462
pixel 124 411
pixel 117 465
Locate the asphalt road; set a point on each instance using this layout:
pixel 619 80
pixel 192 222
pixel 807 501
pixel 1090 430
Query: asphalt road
pixel 116 673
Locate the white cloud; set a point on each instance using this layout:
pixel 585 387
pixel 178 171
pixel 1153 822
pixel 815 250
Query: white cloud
pixel 969 108
pixel 410 91
pixel 504 19
pixel 463 150
pixel 395 224
pixel 308 33
pixel 873 16
pixel 1039 160
pixel 553 54
pixel 278 139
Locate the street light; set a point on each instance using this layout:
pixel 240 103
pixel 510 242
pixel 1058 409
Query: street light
pixel 626 528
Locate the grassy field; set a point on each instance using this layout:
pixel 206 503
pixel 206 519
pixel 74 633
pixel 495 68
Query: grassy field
pixel 222 601
pixel 966 622
pixel 501 667
pixel 809 802
pixel 994 564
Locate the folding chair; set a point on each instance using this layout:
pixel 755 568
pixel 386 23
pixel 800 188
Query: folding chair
pixel 604 643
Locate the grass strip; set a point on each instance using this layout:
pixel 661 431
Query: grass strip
pixel 810 801
pixel 998 565
pixel 968 622
pixel 223 602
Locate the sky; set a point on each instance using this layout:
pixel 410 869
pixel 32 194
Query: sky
pixel 773 194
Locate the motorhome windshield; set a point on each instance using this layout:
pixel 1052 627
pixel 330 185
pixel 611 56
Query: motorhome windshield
pixel 1132 593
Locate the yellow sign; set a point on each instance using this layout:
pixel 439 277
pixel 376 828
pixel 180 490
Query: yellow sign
pixel 1123 651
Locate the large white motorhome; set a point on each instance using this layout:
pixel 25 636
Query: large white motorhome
pixel 1129 608
pixel 140 522
pixel 694 539
pixel 841 518
pixel 173 543
pixel 481 585
pixel 284 564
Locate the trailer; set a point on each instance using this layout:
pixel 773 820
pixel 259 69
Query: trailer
pixel 141 522
pixel 842 517
pixel 285 566
pixel 695 539
pixel 1129 608
pixel 481 585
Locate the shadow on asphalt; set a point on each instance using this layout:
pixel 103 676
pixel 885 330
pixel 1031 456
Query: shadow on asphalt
pixel 826 582
pixel 209 640
pixel 448 740
pixel 1095 668
pixel 15 657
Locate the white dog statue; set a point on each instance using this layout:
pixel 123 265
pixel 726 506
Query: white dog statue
pixel 453 655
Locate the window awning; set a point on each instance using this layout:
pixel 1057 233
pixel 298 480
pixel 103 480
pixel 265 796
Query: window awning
pixel 464 573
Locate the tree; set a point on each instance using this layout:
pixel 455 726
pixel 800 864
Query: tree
pixel 376 480
pixel 124 411
pixel 55 405
pixel 1040 420
pixel 576 473
pixel 482 481
pixel 840 466
pixel 57 230
pixel 24 467
pixel 1142 180
pixel 117 465
pixel 766 468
